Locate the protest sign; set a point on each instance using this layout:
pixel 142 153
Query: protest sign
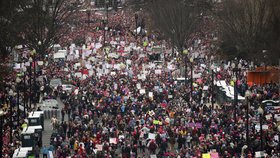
pixel 206 155
pixel 113 140
pixel 99 147
pixel 142 91
pixel 138 85
pixel 158 72
pixel 151 95
pixel 214 155
pixel 152 136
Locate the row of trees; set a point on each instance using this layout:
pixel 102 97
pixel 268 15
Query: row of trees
pixel 251 29
pixel 247 28
pixel 37 24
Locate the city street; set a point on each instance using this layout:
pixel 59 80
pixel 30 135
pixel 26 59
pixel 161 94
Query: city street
pixel 140 79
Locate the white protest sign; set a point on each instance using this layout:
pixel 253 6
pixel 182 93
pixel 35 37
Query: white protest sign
pixel 95 151
pixel 90 72
pixel 117 66
pixel 156 88
pixel 17 66
pixel 205 88
pixel 203 65
pixel 142 91
pixel 128 62
pixel 171 67
pixel 50 154
pixel 138 85
pixel 151 95
pixel 99 147
pixel 78 74
pixel 259 154
pixel 77 52
pixel 122 43
pixel 88 66
pixel 152 136
pixel 152 65
pixel 87 53
pixel 276 138
pixel 77 65
pixel 121 137
pixel 73 45
pixel 143 77
pixel 108 66
pixel 113 141
pixel 98 45
pixel 158 72
pixel 59 56
pixel 40 63
pixel 115 86
pixel 27 64
pixel 197 75
pixel 84 76
pixel 264 127
pixel 127 49
pixel 141 55
pixel 70 57
pixel 153 156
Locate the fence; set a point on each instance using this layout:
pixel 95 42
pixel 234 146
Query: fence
pixel 49 113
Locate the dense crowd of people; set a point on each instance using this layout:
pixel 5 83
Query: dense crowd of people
pixel 129 102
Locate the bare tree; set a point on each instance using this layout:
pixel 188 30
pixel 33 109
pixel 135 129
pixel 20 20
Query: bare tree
pixel 45 22
pixel 9 25
pixel 247 27
pixel 176 19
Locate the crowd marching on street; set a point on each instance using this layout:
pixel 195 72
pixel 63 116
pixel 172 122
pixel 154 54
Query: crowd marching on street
pixel 131 98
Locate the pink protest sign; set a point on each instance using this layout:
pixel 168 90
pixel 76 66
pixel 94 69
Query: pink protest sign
pixel 214 155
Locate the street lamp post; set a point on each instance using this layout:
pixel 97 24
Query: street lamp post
pixel 88 15
pixel 24 91
pixel 278 128
pixel 173 42
pixel 260 110
pixel 191 79
pixel 136 22
pixel 212 86
pixel 1 132
pixel 235 70
pixel 34 83
pixel 107 7
pixel 248 97
pixel 30 81
pixel 11 93
pixel 104 21
pixel 18 87
pixel 34 80
pixel 185 52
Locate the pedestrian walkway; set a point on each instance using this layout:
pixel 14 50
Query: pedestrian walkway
pixel 47 132
pixel 48 126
